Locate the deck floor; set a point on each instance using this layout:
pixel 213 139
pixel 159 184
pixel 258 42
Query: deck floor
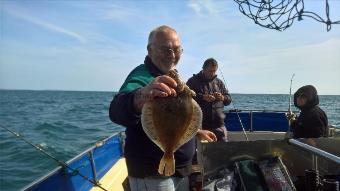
pixel 114 178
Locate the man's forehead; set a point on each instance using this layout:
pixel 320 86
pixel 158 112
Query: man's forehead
pixel 166 37
pixel 168 45
pixel 211 68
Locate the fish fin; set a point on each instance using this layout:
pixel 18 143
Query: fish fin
pixel 167 165
pixel 148 124
pixel 198 116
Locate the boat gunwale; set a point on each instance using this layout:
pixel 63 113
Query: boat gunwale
pixel 55 170
pixel 257 110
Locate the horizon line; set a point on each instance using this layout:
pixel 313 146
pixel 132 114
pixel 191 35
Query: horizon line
pixel 1 89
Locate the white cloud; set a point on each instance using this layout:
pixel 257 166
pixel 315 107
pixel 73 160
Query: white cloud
pixel 205 6
pixel 195 7
pixel 317 64
pixel 252 59
pixel 118 13
pixel 45 24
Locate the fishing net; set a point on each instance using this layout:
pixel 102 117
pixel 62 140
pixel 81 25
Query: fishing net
pixel 280 14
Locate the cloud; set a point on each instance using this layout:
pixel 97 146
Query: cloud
pixel 252 59
pixel 119 13
pixel 46 25
pixel 195 7
pixel 309 59
pixel 317 64
pixel 199 6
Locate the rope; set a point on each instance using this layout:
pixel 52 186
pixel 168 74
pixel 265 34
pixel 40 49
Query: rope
pixel 233 106
pixel 61 163
pixel 282 15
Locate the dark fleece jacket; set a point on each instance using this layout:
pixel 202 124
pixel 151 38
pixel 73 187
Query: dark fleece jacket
pixel 312 121
pixel 141 154
pixel 213 115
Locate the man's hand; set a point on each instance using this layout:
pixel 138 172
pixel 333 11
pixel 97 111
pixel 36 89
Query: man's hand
pixel 206 135
pixel 218 96
pixel 161 86
pixel 208 98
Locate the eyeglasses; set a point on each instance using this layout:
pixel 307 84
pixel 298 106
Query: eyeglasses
pixel 166 50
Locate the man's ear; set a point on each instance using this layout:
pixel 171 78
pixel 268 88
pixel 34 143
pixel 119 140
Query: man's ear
pixel 149 49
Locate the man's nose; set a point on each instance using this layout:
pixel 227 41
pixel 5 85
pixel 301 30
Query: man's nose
pixel 171 53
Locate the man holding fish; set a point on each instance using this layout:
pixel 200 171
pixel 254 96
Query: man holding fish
pixel 147 82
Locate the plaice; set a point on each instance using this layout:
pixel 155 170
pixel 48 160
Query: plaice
pixel 171 122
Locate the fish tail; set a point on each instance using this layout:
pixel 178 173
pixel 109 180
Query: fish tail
pixel 167 164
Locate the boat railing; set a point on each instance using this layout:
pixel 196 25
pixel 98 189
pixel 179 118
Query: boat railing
pixel 315 152
pixel 323 155
pixel 257 110
pixel 256 120
pixel 83 162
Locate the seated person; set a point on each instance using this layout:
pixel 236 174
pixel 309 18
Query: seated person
pixel 312 121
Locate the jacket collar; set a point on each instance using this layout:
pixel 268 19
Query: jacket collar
pixel 202 77
pixel 151 67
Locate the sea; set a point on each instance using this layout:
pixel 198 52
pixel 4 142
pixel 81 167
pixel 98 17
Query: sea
pixel 65 123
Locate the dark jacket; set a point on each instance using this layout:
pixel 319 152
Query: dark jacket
pixel 312 121
pixel 141 154
pixel 213 115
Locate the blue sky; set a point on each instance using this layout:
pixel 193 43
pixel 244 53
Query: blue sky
pixel 93 45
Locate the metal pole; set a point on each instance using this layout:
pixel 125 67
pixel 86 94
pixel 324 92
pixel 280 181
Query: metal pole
pixel 93 167
pixel 232 104
pixel 316 151
pixel 251 122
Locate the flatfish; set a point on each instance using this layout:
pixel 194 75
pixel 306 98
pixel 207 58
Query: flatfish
pixel 171 121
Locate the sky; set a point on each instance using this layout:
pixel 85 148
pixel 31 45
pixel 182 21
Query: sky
pixel 90 45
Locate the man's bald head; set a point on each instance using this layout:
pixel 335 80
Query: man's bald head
pixel 164 48
pixel 161 30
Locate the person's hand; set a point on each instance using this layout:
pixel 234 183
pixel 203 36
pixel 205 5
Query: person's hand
pixel 290 117
pixel 206 135
pixel 161 86
pixel 218 96
pixel 208 98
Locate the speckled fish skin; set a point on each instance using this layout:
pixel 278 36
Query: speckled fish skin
pixel 171 121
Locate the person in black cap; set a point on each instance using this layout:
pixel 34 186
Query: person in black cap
pixel 312 121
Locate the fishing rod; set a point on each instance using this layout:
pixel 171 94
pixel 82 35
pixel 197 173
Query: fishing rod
pixel 290 113
pixel 61 163
pixel 290 94
pixel 233 106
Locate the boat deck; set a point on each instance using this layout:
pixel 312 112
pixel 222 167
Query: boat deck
pixel 114 179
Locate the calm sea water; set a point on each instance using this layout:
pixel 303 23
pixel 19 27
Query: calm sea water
pixel 65 123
